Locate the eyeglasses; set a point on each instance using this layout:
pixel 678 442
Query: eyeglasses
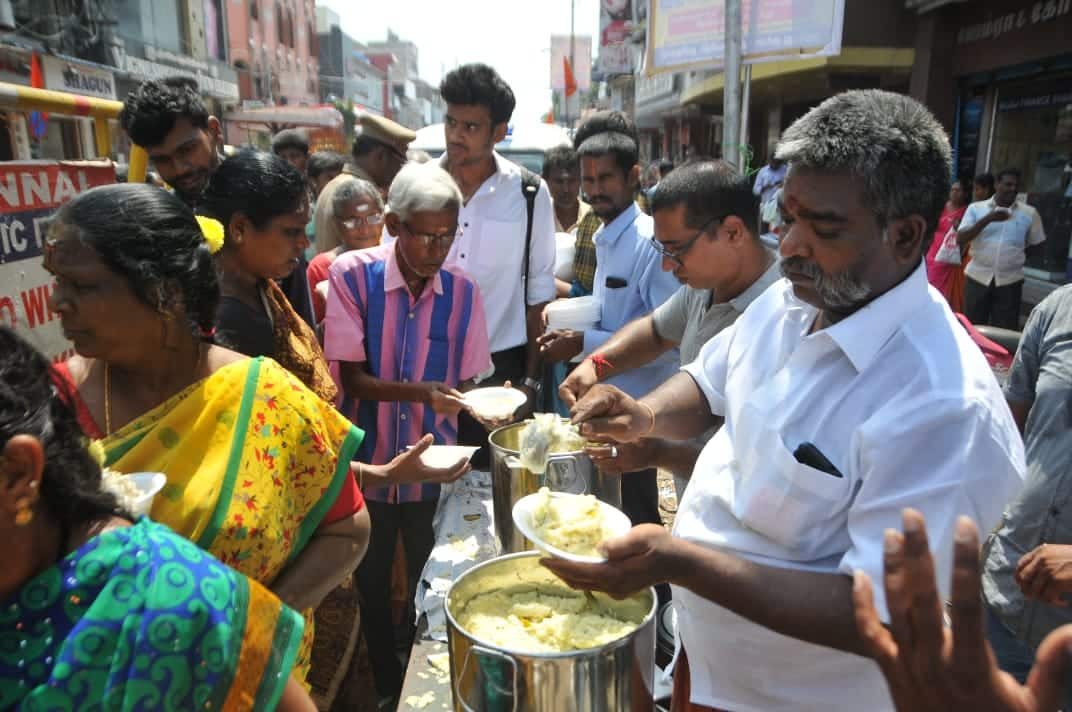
pixel 677 254
pixel 371 220
pixel 427 240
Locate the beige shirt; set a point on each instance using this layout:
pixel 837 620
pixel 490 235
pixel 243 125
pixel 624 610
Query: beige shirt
pixel 583 210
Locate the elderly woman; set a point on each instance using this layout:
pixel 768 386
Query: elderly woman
pixel 259 467
pixel 357 223
pixel 406 333
pixel 99 610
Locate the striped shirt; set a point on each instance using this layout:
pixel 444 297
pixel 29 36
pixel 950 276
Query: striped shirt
pixel 442 336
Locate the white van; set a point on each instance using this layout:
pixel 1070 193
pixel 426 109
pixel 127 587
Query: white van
pixel 524 143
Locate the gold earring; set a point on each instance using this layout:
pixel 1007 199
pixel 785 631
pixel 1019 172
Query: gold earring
pixel 24 514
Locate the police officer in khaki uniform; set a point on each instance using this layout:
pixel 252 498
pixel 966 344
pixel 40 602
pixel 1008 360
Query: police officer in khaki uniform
pixel 379 152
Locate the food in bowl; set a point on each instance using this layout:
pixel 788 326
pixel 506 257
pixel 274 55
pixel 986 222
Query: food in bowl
pixel 573 523
pixel 545 435
pixel 549 618
pixel 124 488
pixel 494 403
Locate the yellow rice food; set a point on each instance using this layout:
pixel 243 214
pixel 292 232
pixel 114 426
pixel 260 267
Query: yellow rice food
pixel 573 523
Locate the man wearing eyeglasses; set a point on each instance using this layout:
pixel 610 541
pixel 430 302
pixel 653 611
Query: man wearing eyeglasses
pixel 706 233
pixel 629 280
pixel 405 334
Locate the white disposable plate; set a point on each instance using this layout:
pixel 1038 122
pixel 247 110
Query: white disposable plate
pixel 148 484
pixel 494 402
pixel 443 456
pixel 614 519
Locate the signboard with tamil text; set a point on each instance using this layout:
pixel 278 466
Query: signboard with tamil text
pixel 30 191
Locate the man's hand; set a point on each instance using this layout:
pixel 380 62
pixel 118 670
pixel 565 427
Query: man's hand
pixel 443 399
pixel 625 457
pixel 1045 573
pixel 929 668
pixel 999 215
pixel 409 469
pixel 560 345
pixel 578 382
pixel 607 413
pixel 642 558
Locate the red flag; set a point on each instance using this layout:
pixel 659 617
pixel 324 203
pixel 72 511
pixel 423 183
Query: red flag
pixel 571 82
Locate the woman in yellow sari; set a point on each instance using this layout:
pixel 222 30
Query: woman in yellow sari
pixel 258 466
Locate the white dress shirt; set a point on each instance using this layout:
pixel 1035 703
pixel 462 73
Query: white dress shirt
pixel 998 252
pixel 490 247
pixel 903 404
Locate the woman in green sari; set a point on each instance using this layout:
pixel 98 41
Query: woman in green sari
pixel 97 609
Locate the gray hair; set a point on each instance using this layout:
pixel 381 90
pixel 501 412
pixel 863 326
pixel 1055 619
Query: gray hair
pixel 422 188
pixel 888 142
pixel 350 190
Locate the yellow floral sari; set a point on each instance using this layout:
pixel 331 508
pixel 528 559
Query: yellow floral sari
pixel 254 462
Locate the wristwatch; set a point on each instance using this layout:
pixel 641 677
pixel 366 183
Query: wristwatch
pixel 532 383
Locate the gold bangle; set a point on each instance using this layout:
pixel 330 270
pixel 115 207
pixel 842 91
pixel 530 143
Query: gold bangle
pixel 651 412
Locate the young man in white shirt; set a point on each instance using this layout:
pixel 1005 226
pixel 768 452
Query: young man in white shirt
pixel 849 391
pixel 490 245
pixel 999 231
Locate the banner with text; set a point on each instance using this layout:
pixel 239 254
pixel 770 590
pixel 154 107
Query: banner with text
pixel 616 23
pixel 690 34
pixel 30 191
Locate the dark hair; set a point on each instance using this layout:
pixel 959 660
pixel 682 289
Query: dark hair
pixel 479 85
pixel 608 132
pixel 560 158
pixel 151 110
pixel 259 185
pixel 291 138
pixel 965 184
pixel 150 238
pixel 34 402
pixel 708 190
pixel 1010 171
pixel 324 162
pixel 665 166
pixel 364 145
pixel 986 180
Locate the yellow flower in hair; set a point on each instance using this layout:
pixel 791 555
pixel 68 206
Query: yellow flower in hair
pixel 96 451
pixel 213 231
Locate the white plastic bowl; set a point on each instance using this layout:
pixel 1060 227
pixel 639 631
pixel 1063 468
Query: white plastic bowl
pixel 494 403
pixel 614 520
pixel 149 485
pixel 444 456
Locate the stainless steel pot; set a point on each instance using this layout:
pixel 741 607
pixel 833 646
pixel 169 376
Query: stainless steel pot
pixel 566 472
pixel 486 678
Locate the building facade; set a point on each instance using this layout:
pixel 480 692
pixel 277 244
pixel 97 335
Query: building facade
pixel 346 73
pixel 273 47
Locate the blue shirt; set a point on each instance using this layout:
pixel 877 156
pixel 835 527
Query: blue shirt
pixel 626 257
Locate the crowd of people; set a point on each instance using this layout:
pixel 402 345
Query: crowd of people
pixel 284 334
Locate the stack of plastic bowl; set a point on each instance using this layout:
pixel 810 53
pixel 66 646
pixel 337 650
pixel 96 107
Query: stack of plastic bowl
pixel 578 314
pixel 565 248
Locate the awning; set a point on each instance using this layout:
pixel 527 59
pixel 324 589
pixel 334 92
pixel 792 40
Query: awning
pixel 321 116
pixel 809 76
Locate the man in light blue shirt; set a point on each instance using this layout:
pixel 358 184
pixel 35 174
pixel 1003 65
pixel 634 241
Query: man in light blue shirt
pixel 629 281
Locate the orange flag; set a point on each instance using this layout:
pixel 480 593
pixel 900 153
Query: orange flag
pixel 571 81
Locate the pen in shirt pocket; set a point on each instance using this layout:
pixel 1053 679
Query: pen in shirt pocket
pixel 808 454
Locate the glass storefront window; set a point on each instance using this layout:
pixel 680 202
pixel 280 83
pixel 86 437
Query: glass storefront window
pixel 1033 132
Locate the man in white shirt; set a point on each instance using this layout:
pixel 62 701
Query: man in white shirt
pixel 849 392
pixel 490 245
pixel 999 230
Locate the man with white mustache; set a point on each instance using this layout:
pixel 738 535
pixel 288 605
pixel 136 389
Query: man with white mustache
pixel 849 392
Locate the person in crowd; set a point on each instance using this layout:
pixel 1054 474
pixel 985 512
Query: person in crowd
pixel 930 667
pixel 493 224
pixel 258 467
pixel 184 142
pixel 770 178
pixel 406 334
pixel 650 177
pixel 262 204
pixel 948 278
pixel 629 279
pixel 87 592
pixel 320 169
pixel 662 168
pixel 833 384
pixel 999 231
pixel 292 145
pixel 378 153
pixel 562 173
pixel 706 231
pixel 982 187
pixel 357 216
pixel 1027 570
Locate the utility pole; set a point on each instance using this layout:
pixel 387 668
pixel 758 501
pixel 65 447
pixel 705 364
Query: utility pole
pixel 731 91
pixel 572 65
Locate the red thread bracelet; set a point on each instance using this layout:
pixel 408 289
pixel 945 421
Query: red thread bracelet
pixel 600 363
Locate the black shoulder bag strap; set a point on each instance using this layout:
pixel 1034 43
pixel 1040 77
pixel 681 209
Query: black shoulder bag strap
pixel 530 185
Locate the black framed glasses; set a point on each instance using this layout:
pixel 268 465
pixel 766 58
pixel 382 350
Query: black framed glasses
pixel 677 254
pixel 427 239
